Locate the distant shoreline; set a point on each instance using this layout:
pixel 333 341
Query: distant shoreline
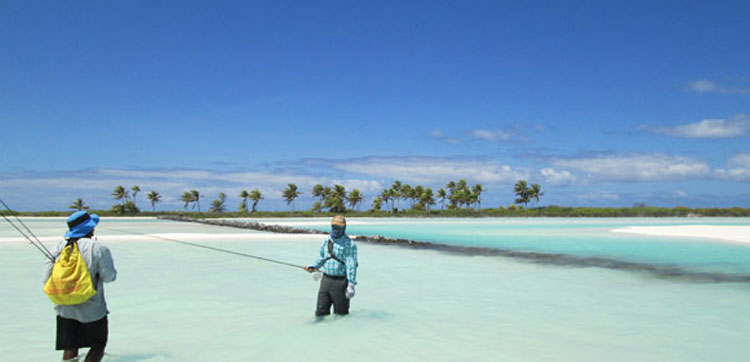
pixel 546 211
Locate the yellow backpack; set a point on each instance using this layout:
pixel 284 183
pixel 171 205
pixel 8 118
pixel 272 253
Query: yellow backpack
pixel 70 282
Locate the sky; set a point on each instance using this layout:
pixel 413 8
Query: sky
pixel 602 103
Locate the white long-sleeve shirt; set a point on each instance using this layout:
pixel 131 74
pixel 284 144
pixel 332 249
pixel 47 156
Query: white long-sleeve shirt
pixel 102 269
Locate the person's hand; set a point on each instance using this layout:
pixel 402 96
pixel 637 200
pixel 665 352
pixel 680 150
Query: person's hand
pixel 310 269
pixel 350 291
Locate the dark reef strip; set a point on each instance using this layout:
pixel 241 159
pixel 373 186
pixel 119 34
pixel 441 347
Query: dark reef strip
pixel 243 225
pixel 657 270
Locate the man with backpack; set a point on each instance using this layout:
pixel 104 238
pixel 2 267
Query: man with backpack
pixel 81 263
pixel 338 258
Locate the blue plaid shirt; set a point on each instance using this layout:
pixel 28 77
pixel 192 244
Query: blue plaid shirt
pixel 344 249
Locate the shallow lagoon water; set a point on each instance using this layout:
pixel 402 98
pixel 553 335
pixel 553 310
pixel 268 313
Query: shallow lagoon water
pixel 176 303
pixel 585 237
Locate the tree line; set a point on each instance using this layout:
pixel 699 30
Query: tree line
pixel 399 197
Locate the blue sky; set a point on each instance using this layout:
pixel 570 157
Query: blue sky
pixel 602 103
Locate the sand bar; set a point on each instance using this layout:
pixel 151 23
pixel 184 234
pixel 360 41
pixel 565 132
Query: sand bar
pixel 181 236
pixel 740 234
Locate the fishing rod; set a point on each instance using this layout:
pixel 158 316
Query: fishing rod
pixel 35 242
pixel 211 248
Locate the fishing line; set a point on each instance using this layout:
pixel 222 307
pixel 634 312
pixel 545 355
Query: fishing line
pixel 211 248
pixel 38 244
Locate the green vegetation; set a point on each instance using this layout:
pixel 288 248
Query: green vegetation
pixel 256 196
pixel 78 204
pixel 219 205
pixel 155 198
pixel 401 200
pixel 126 206
pixel 547 211
pixel 290 193
pixel 526 194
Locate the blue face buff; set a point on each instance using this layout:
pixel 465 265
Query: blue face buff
pixel 337 231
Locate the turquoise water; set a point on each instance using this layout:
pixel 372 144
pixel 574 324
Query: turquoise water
pixel 177 303
pixel 580 237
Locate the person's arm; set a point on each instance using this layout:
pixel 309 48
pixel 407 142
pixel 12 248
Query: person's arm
pixel 351 264
pixel 106 266
pixel 321 257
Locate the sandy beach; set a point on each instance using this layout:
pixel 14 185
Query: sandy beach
pixel 739 234
pixel 180 236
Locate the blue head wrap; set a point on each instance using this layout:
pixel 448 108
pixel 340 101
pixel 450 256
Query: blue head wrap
pixel 337 231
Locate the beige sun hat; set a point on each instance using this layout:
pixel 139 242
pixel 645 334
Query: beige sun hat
pixel 338 220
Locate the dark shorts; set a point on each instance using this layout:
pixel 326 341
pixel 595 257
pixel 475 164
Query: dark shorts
pixel 72 334
pixel 332 292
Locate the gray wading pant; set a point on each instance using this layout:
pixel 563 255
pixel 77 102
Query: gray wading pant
pixel 332 291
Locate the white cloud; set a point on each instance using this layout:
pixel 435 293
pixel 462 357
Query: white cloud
pixel 489 135
pixel 707 128
pixel 432 170
pixel 637 167
pixel 439 135
pixel 739 168
pixel 599 196
pixel 741 159
pixel 554 177
pixel 709 86
pixel 703 86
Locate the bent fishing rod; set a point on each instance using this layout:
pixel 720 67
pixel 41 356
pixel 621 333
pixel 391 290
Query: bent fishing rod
pixel 35 241
pixel 211 248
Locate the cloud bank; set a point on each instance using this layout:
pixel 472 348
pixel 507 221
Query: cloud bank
pixel 636 167
pixel 707 128
pixel 709 86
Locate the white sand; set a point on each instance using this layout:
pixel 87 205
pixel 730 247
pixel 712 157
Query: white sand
pixel 739 234
pixel 181 237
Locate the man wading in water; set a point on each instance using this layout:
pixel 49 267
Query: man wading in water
pixel 338 258
pixel 84 325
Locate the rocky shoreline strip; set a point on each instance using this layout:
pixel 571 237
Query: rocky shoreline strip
pixel 657 270
pixel 377 239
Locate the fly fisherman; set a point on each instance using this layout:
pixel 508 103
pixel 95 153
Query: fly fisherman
pixel 338 258
pixel 85 324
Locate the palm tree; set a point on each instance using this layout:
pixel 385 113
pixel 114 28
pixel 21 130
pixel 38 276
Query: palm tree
pixel 377 204
pixel 335 200
pixel 78 204
pixel 452 195
pixel 256 196
pixel 395 193
pixel 441 195
pixel 394 196
pixel 135 190
pixel 155 198
pixel 476 194
pixel 522 191
pixel 243 205
pixel 416 194
pixel 120 194
pixel 451 186
pixel 354 199
pixel 196 198
pixel 290 193
pixel 218 205
pixel 406 192
pixel 317 190
pixel 427 199
pixel 384 197
pixel 187 198
pixel 535 192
